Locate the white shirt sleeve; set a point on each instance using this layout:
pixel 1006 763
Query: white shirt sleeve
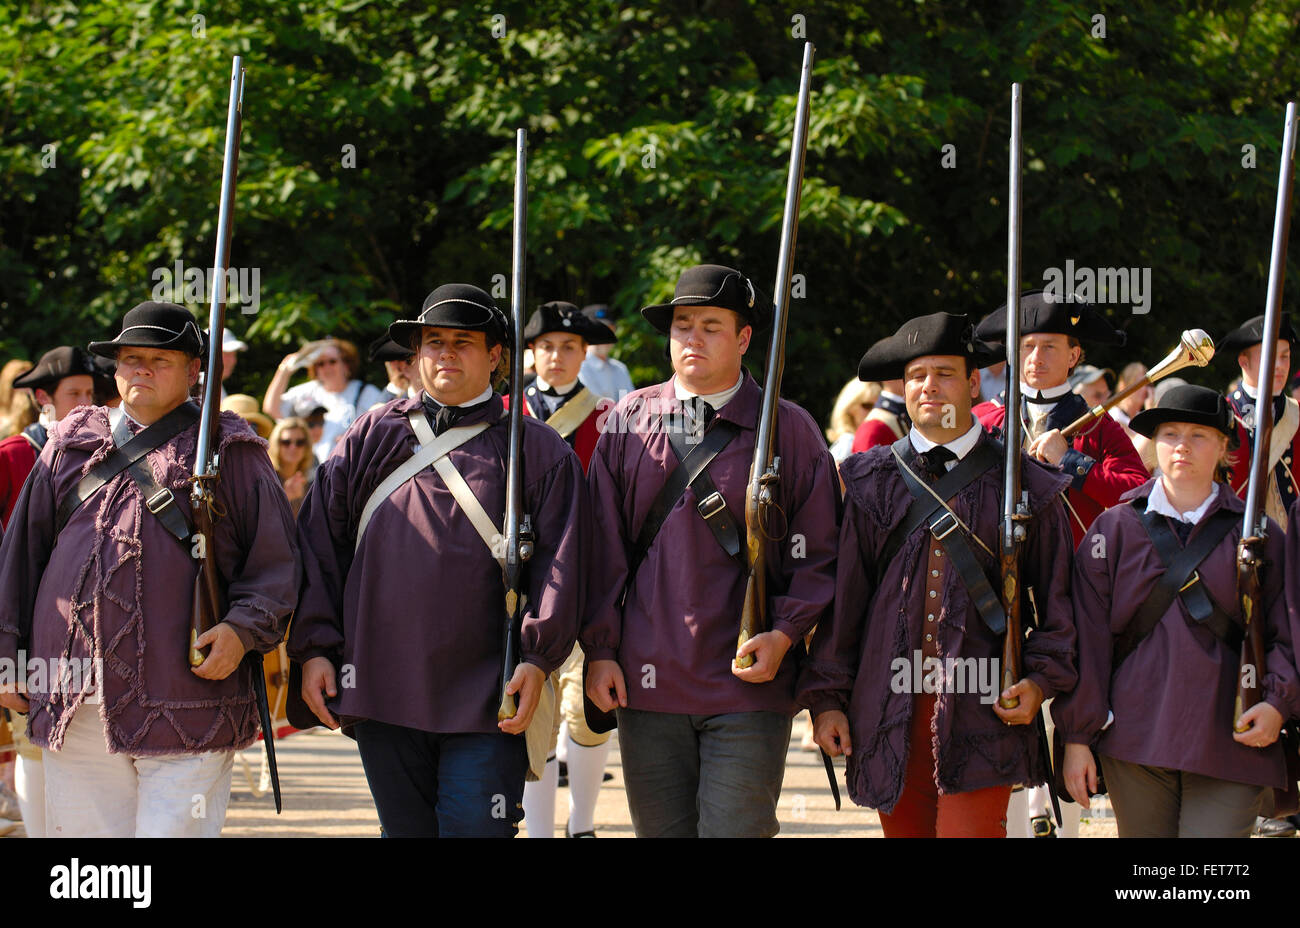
pixel 289 398
pixel 372 396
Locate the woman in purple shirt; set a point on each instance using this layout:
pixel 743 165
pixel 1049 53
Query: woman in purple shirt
pixel 1158 707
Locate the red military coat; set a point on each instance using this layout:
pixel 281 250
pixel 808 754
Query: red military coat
pixel 17 458
pixel 581 439
pixel 1102 463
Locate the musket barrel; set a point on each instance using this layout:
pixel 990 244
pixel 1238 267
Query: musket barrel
pixel 1250 550
pixel 784 275
pixel 514 468
pixel 1253 517
pixel 1009 555
pixel 217 307
pixel 753 609
pixel 1011 482
pixel 514 488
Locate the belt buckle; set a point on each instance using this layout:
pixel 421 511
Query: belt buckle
pixel 1194 579
pixel 711 505
pixel 941 535
pixel 159 501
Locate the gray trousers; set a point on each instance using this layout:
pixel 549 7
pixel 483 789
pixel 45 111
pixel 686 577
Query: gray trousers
pixel 707 776
pixel 1156 802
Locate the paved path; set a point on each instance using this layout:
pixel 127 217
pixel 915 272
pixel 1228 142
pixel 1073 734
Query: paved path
pixel 326 795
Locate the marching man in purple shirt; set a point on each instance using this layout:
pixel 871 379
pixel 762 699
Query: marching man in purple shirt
pixel 703 743
pixel 399 625
pixel 134 742
pixel 905 676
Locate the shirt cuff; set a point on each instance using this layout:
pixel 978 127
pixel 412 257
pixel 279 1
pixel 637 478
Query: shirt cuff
pixel 541 663
pixel 245 637
pixel 1076 465
pixel 1048 690
pixel 825 704
pixel 788 629
pixel 600 654
pixel 313 653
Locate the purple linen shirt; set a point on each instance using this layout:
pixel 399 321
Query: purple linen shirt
pixel 414 619
pixel 115 586
pixel 1173 696
pixel 675 636
pixel 852 666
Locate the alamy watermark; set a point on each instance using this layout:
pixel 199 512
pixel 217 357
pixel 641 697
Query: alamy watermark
pixel 918 674
pixel 180 284
pixel 1122 285
pixel 66 676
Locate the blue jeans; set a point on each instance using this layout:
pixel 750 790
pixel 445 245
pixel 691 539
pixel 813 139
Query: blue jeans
pixel 428 785
pixel 707 776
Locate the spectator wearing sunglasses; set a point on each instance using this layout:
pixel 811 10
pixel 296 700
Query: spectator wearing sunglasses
pixel 292 459
pixel 332 365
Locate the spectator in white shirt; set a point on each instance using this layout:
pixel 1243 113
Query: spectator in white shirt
pixel 601 374
pixel 332 365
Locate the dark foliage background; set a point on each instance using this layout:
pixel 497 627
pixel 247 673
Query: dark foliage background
pixel 1133 150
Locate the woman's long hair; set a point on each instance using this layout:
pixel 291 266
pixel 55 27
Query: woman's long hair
pixel 18 408
pixel 855 392
pixel 285 425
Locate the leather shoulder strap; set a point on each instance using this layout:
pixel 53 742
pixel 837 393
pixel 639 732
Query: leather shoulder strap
pixel 687 471
pixel 573 413
pixel 890 420
pixel 431 451
pixel 969 469
pixel 125 455
pixel 954 535
pixel 1180 578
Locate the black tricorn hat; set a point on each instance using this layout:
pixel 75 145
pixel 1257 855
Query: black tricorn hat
pixel 713 285
pixel 935 334
pixel 1041 314
pixel 558 316
pixel 155 325
pixel 1188 403
pixel 54 365
pixel 384 348
pixel 455 306
pixel 1250 333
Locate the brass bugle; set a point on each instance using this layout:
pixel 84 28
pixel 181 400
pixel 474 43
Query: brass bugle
pixel 1196 349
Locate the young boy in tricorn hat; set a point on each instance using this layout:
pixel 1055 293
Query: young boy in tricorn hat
pixel 1245 344
pixel 62 380
pixel 558 334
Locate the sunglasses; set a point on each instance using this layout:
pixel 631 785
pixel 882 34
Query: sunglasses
pixel 294 442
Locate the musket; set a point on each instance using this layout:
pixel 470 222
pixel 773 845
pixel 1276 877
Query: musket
pixel 208 606
pixel 1250 550
pixel 1015 498
pixel 1015 501
pixel 764 470
pixel 1194 349
pixel 518 526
